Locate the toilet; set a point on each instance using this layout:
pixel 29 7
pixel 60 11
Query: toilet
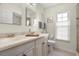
pixel 51 44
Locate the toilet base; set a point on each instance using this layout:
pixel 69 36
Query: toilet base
pixel 51 45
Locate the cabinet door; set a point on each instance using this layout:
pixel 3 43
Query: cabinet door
pixel 78 35
pixel 10 52
pixel 30 52
pixel 44 48
pixel 41 47
pixel 17 50
pixel 39 50
pixel 38 47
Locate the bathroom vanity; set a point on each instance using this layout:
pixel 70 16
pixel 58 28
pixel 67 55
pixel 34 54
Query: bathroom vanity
pixel 22 45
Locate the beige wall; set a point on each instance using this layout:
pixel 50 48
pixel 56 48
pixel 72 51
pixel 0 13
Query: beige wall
pixel 71 8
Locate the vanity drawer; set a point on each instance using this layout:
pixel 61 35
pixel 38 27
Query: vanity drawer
pixel 17 50
pixel 40 41
pixel 30 52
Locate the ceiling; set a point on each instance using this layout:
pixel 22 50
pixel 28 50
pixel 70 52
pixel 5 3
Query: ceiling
pixel 47 5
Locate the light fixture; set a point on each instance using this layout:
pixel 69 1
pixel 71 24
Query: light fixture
pixel 32 4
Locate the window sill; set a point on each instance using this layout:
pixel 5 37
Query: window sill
pixel 63 40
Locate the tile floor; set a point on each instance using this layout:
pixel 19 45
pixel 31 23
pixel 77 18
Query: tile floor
pixel 57 52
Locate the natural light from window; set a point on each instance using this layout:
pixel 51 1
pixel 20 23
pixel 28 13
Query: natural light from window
pixel 62 26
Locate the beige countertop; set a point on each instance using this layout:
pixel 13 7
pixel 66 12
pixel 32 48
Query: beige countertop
pixel 6 43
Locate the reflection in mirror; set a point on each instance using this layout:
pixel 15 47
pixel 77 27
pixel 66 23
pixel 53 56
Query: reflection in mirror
pixel 28 22
pixel 30 16
pixel 16 19
pixel 8 16
pixel 5 16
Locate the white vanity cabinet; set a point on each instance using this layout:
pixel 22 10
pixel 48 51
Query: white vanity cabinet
pixel 37 47
pixel 18 50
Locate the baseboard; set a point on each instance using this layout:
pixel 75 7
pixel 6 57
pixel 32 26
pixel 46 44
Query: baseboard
pixel 74 53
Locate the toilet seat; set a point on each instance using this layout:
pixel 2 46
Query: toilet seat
pixel 51 41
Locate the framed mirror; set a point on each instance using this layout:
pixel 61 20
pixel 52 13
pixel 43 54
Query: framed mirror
pixel 8 16
pixel 30 16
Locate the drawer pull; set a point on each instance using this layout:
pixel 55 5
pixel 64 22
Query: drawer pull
pixel 43 43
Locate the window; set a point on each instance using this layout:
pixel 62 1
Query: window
pixel 62 26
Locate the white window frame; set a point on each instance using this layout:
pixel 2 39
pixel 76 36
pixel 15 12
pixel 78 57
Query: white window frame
pixel 68 27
